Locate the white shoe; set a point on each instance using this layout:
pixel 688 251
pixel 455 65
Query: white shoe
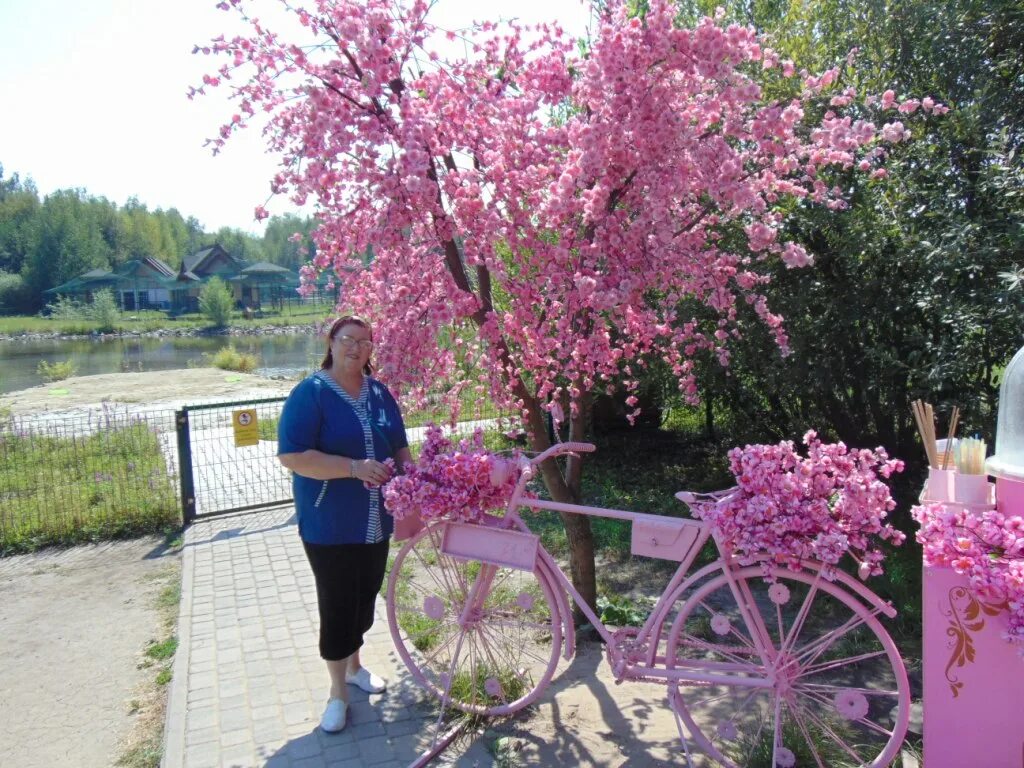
pixel 334 716
pixel 366 680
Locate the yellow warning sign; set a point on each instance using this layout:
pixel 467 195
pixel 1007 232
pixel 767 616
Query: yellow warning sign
pixel 247 431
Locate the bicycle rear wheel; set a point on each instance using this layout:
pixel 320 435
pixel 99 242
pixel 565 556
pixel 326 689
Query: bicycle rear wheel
pixel 834 693
pixel 490 660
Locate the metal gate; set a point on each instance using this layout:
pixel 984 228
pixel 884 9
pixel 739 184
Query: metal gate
pixel 228 462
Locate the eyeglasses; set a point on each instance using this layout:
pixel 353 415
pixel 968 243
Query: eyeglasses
pixel 347 342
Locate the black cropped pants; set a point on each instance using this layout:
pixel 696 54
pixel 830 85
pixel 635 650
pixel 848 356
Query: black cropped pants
pixel 348 578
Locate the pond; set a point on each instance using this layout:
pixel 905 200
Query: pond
pixel 282 354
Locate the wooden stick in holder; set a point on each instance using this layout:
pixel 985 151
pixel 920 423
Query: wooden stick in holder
pixel 954 422
pixel 925 418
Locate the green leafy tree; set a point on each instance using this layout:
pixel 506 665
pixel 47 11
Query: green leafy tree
pixel 46 242
pixel 19 208
pixel 14 294
pixel 103 310
pixel 66 242
pixel 908 296
pixel 216 302
pixel 279 246
pixel 238 243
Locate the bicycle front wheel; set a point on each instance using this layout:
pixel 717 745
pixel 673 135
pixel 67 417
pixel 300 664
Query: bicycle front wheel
pixel 798 672
pixel 491 659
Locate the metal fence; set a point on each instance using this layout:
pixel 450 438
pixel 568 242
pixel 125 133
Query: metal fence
pixel 220 473
pixel 83 475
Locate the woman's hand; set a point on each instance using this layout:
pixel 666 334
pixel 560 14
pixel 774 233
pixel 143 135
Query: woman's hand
pixel 371 472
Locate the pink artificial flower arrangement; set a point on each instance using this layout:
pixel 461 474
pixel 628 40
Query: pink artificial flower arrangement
pixel 460 481
pixel 794 509
pixel 983 545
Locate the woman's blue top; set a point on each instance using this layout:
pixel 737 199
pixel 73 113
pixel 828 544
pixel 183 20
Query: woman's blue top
pixel 320 415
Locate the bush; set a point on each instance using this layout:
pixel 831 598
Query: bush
pixel 56 371
pixel 231 359
pixel 216 302
pixel 103 310
pixel 65 308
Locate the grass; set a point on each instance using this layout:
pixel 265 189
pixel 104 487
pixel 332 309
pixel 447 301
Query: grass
pixel 422 630
pixel 161 651
pixel 268 427
pixel 466 687
pixel 145 746
pixel 639 470
pixel 472 407
pixel 760 753
pixel 144 321
pixel 137 322
pixel 65 490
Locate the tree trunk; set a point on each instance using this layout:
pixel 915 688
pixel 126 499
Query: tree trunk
pixel 577 527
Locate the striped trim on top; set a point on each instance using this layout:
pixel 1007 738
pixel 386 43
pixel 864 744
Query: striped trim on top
pixel 361 407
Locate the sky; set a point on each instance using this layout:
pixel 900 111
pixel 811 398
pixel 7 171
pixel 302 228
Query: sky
pixel 93 95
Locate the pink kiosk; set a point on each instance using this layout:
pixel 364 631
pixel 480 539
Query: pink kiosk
pixel 974 679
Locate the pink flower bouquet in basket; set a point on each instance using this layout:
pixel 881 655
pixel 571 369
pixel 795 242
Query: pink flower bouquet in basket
pixel 459 481
pixel 795 508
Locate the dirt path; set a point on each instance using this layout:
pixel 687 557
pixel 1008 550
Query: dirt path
pixel 73 624
pixel 174 386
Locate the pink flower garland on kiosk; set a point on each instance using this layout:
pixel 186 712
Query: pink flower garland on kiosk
pixel 982 545
pixel 460 481
pixel 820 507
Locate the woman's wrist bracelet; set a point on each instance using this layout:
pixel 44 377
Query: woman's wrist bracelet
pixel 351 467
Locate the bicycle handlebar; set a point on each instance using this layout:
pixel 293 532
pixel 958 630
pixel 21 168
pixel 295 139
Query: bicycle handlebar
pixel 561 448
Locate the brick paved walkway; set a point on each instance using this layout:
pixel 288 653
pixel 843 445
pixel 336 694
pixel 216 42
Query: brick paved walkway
pixel 249 685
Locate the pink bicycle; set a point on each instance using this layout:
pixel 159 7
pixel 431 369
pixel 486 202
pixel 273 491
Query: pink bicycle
pixel 789 672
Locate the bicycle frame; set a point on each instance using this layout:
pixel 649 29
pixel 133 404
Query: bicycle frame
pixel 631 664
pixel 776 668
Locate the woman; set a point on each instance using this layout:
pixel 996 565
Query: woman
pixel 337 428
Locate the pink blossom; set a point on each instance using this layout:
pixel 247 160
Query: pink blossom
pixel 894 132
pixel 561 251
pixel 796 509
pixel 461 481
pixel 796 256
pixel 984 546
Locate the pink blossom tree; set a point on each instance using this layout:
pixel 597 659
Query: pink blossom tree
pixel 546 208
